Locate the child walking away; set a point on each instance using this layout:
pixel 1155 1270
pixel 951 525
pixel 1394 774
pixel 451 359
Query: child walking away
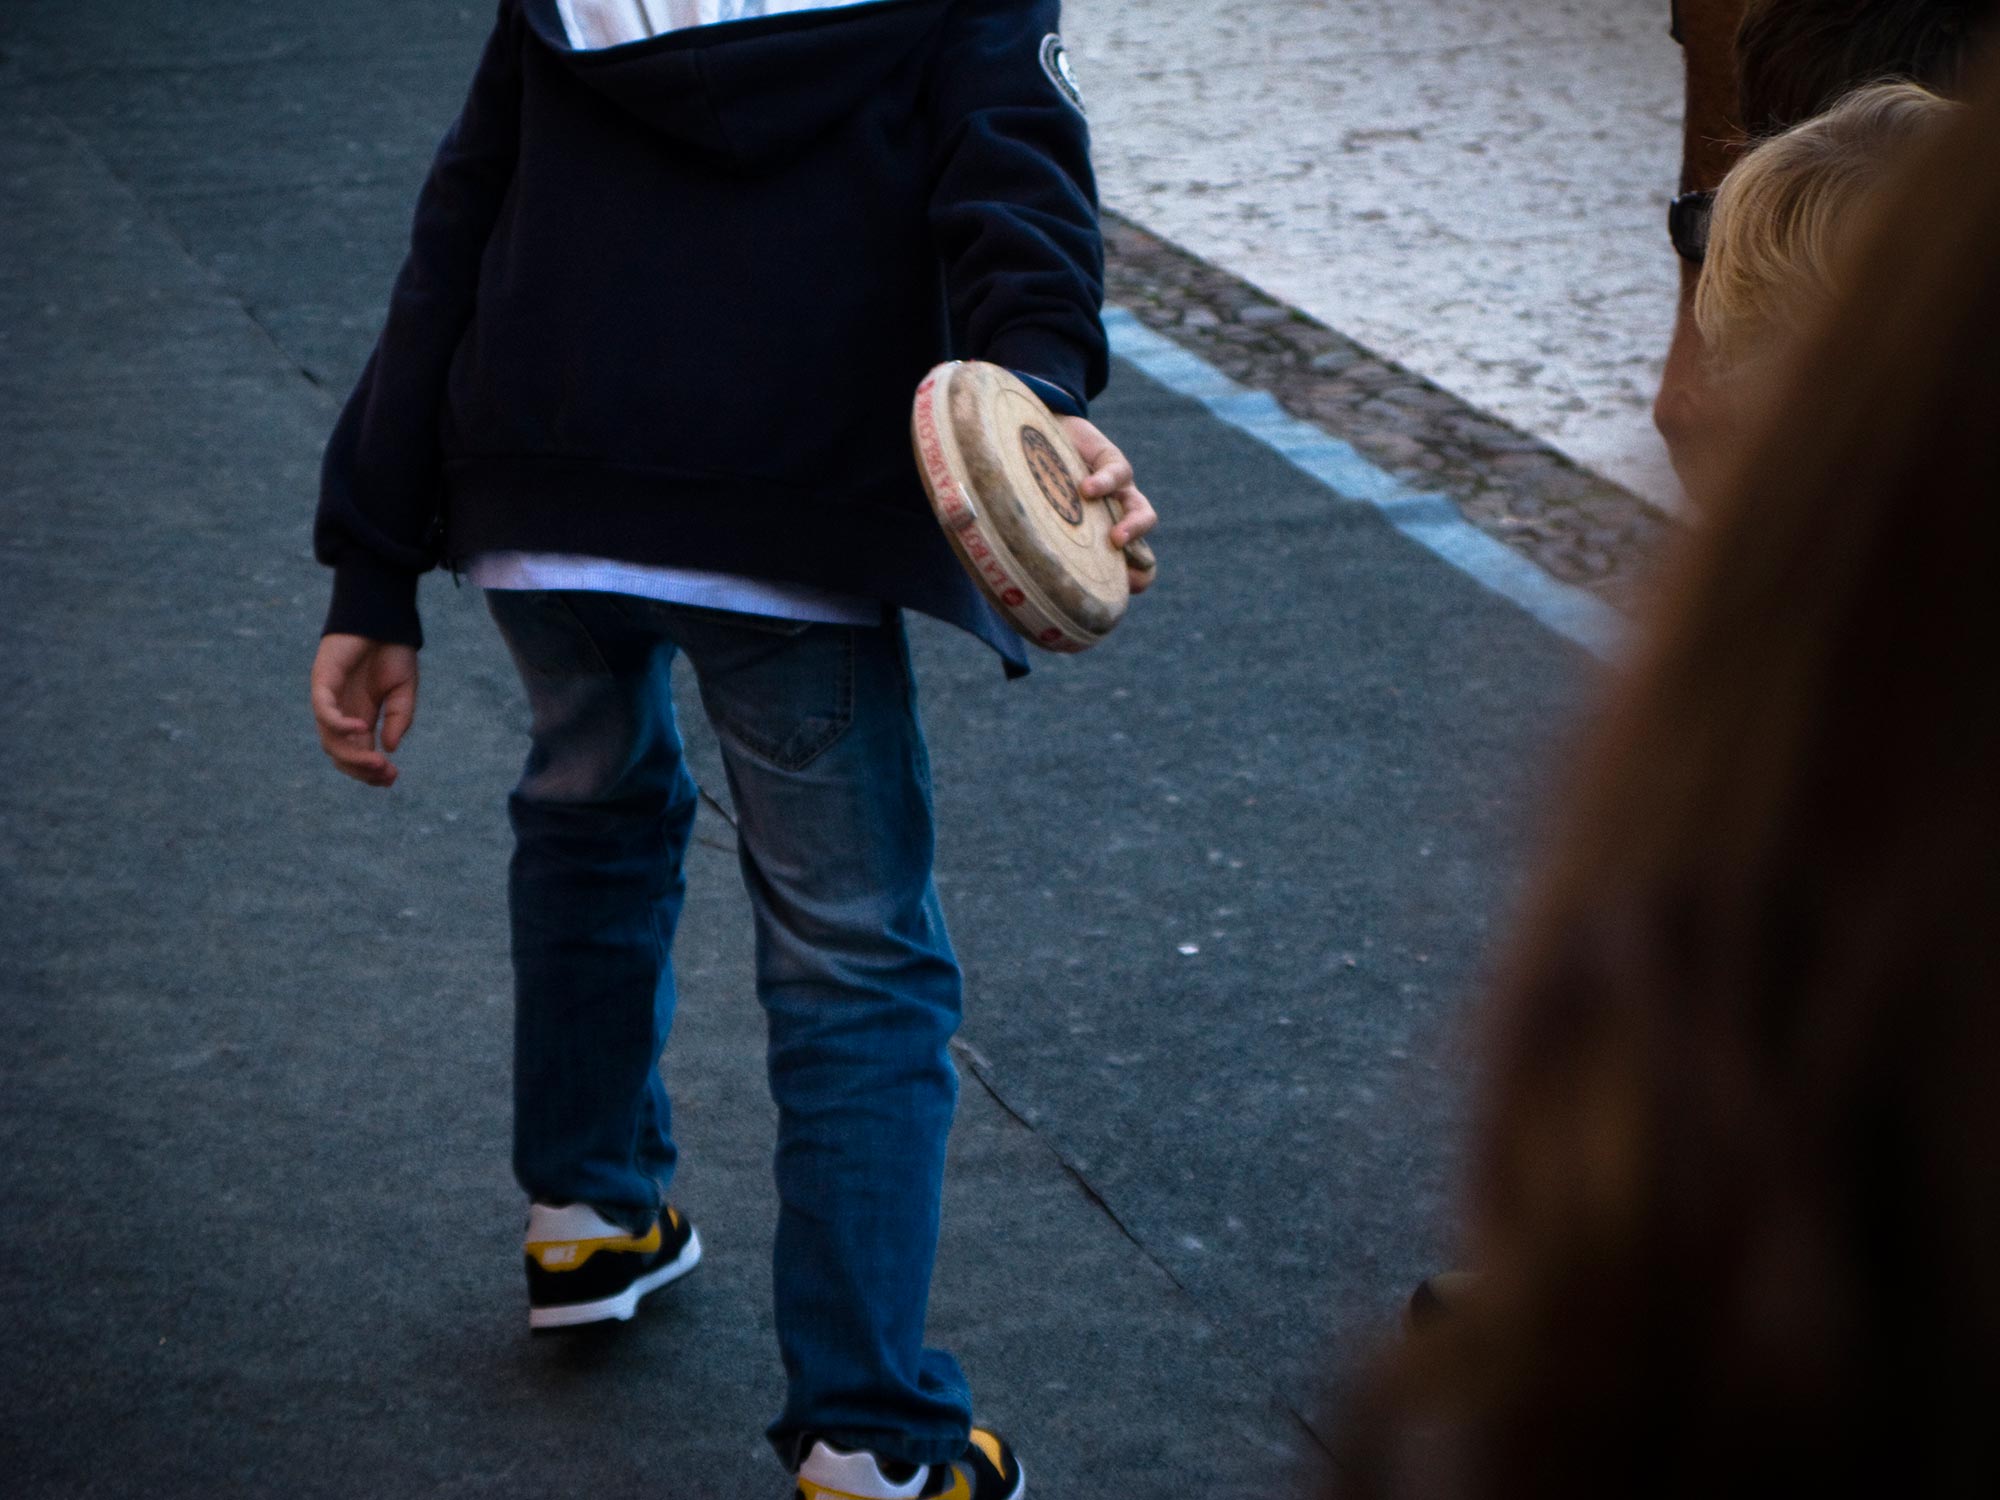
pixel 645 378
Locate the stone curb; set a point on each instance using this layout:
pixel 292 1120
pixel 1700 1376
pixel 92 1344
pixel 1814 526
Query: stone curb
pixel 1579 527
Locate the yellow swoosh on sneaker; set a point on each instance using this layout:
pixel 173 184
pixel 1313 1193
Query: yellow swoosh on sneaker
pixel 567 1255
pixel 989 1444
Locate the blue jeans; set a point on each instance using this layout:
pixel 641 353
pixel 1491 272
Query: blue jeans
pixel 861 991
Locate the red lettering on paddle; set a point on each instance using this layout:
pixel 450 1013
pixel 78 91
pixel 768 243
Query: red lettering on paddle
pixel 951 501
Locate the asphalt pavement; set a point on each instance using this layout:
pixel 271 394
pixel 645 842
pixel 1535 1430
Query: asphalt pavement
pixel 1224 889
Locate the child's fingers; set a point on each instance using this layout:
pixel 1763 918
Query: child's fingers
pixel 354 685
pixel 1109 469
pixel 1112 473
pixel 349 742
pixel 329 715
pixel 1138 519
pixel 362 762
pixel 399 709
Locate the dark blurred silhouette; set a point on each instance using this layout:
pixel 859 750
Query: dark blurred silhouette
pixel 1737 1185
pixel 1796 58
pixel 1707 30
pixel 1710 140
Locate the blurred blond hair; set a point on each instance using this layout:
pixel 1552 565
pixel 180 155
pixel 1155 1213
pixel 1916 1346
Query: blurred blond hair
pixel 1787 212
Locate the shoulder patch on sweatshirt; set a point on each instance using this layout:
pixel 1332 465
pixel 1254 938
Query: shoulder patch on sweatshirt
pixel 1055 63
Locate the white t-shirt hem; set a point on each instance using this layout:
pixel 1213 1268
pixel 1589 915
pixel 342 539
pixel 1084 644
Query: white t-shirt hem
pixel 691 586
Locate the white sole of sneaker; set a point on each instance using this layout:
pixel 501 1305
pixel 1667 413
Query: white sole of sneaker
pixel 1017 1493
pixel 626 1303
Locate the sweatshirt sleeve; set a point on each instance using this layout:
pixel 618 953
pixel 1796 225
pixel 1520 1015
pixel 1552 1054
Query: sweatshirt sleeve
pixel 380 519
pixel 1013 206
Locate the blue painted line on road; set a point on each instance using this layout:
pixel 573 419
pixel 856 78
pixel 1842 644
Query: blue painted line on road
pixel 1433 522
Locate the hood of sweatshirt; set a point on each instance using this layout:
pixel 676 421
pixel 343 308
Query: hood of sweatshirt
pixel 750 92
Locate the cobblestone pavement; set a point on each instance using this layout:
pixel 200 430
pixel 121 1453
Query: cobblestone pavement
pixel 1578 526
pixel 1474 190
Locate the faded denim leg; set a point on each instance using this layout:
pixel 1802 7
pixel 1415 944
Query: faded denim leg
pixel 602 817
pixel 831 781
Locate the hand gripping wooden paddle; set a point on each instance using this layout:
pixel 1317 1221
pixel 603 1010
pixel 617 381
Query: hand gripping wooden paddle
pixel 1006 480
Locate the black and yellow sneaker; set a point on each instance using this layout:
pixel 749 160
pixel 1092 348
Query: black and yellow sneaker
pixel 986 1471
pixel 583 1269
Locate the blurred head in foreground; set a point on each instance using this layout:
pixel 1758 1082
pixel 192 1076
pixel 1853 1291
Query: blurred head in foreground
pixel 1737 1186
pixel 1786 221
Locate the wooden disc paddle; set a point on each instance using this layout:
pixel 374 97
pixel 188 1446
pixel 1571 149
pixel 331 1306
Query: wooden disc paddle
pixel 1006 483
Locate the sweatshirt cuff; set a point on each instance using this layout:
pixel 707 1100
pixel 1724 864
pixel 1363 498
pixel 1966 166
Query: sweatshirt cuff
pixel 373 601
pixel 1047 361
pixel 1054 397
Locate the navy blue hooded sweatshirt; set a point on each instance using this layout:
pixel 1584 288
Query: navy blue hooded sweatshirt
pixel 668 302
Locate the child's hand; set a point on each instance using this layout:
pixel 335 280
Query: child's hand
pixel 356 684
pixel 1111 478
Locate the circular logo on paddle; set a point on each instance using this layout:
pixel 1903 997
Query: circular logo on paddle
pixel 1052 475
